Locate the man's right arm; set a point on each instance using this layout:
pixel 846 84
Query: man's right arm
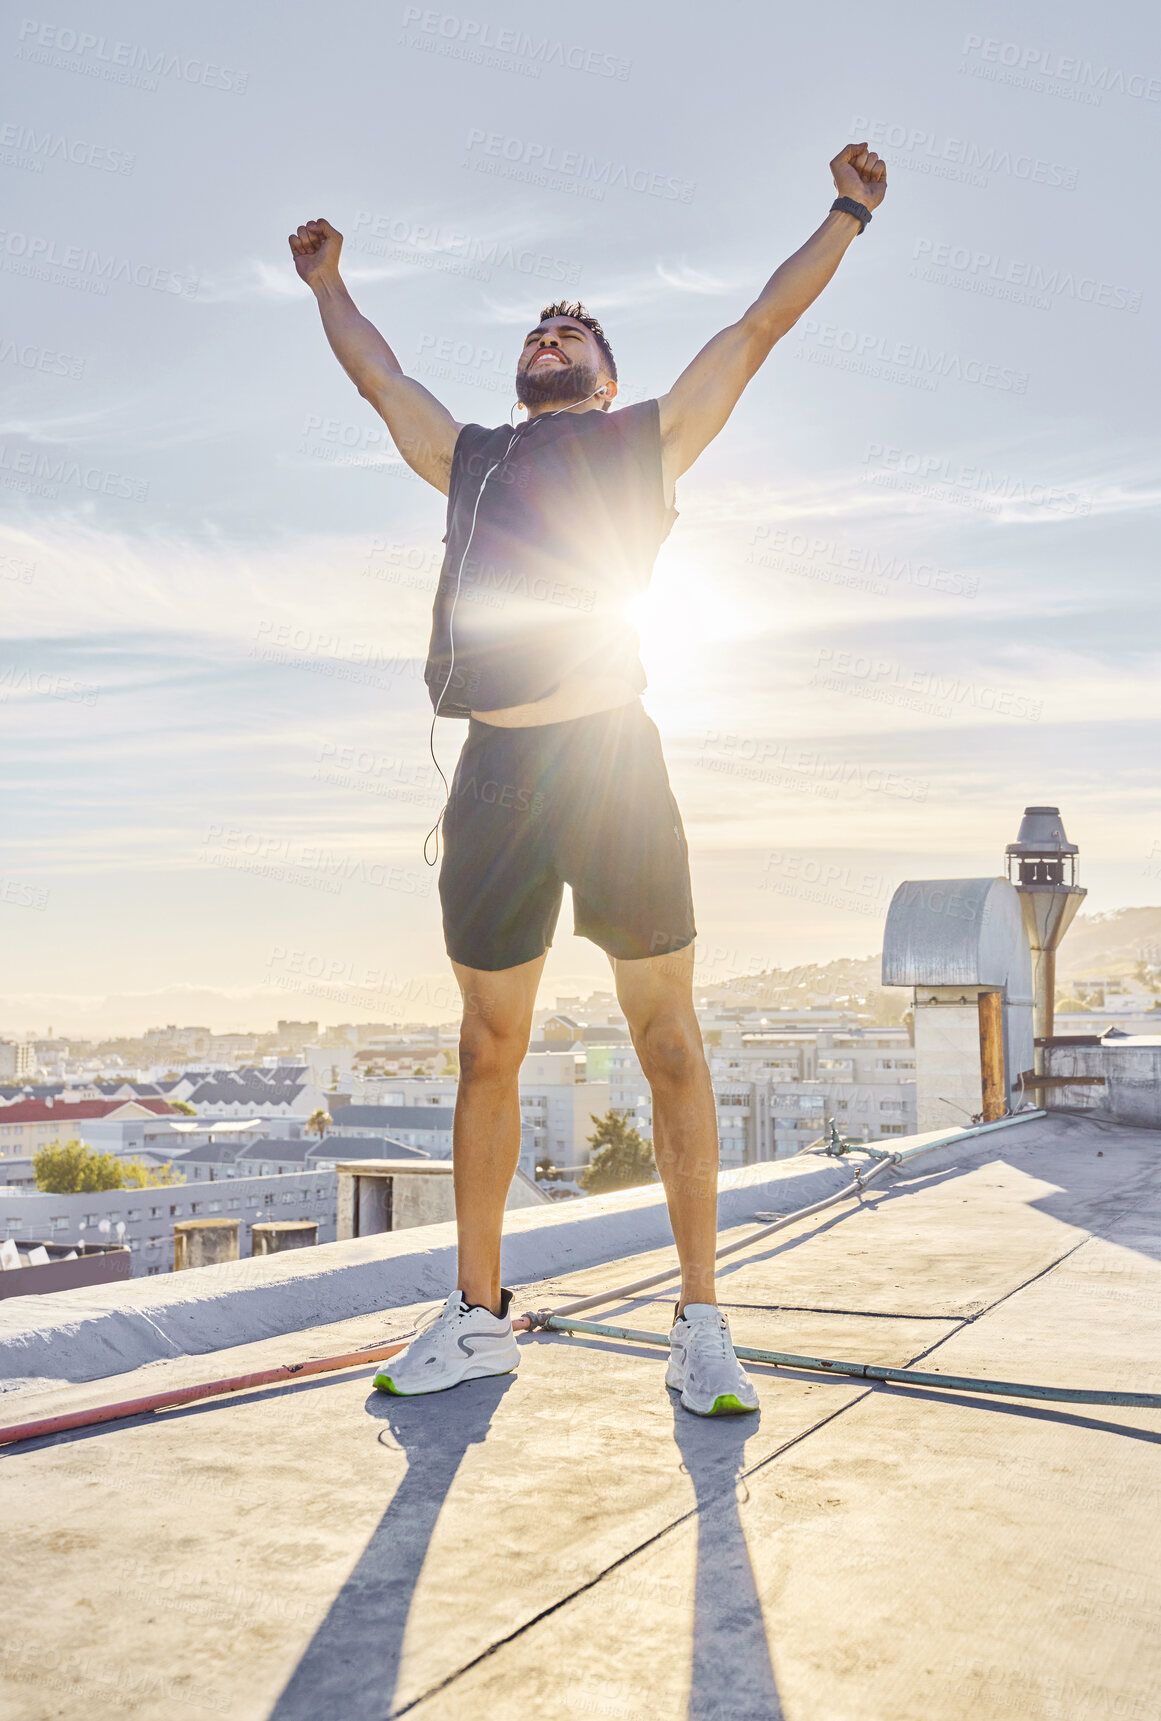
pixel 422 429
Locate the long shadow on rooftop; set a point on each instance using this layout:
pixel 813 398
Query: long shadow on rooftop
pixel 350 1668
pixel 731 1673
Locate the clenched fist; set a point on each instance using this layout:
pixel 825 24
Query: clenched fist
pixel 316 248
pixel 858 173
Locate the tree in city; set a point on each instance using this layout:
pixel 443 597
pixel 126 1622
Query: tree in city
pixel 77 1169
pixel 138 1175
pixel 183 1106
pixel 74 1169
pixel 621 1157
pixel 319 1122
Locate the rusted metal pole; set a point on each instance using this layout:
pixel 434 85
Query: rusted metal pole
pixel 1043 1002
pixel 992 1075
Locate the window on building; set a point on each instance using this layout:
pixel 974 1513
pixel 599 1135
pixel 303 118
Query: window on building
pixel 59 1222
pixel 214 1207
pixel 235 1201
pixel 133 1213
pixel 152 1270
pixel 175 1212
pixel 155 1212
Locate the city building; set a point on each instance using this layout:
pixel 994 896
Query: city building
pixel 276 1094
pixel 557 1105
pixel 270 1158
pixel 143 1219
pixel 424 1126
pixel 16 1059
pixel 777 1089
pixel 116 1125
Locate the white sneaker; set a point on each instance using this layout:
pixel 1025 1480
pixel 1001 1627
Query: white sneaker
pixel 461 1342
pixel 703 1367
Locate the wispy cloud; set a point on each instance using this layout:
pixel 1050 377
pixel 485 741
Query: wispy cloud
pixel 690 280
pixel 256 279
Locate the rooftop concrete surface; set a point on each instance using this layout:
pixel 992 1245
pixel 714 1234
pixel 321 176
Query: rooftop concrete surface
pixel 567 1542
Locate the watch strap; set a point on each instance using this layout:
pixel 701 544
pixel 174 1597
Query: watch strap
pixel 848 206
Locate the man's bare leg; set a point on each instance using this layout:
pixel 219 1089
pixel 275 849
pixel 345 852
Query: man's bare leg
pixel 656 995
pixel 494 1034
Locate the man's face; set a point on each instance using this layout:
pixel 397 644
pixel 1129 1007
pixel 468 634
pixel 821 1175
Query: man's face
pixel 560 364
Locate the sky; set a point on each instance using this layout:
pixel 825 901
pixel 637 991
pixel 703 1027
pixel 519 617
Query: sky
pixel 912 587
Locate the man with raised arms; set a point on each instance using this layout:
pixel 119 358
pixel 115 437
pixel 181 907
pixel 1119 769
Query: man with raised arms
pixel 552 528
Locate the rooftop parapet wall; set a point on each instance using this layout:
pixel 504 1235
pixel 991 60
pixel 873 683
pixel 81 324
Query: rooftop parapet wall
pixel 1127 1070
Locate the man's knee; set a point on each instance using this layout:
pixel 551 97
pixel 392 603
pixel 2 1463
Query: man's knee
pixel 490 1051
pixel 670 1050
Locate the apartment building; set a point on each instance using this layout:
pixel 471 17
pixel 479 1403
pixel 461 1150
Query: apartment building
pixel 428 1127
pixel 144 1218
pixel 557 1104
pixel 17 1059
pixel 279 1094
pixel 29 1124
pixel 776 1088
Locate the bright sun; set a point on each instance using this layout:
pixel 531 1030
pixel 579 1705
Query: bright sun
pixel 678 617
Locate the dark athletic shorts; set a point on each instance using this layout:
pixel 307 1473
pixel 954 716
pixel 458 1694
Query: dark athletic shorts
pixel 585 803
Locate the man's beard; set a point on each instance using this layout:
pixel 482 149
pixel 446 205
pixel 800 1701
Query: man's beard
pixel 557 384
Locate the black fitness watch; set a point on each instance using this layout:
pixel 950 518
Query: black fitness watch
pixel 848 206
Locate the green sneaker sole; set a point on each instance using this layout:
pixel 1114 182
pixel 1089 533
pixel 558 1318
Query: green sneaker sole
pixel 730 1405
pixel 384 1383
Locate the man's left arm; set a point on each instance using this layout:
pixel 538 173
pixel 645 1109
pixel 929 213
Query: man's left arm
pixel 707 391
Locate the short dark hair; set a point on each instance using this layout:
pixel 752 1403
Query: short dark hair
pixel 579 314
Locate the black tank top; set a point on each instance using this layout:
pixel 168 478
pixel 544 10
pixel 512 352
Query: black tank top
pixel 566 533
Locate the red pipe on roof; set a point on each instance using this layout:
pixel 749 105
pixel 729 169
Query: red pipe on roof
pixel 190 1394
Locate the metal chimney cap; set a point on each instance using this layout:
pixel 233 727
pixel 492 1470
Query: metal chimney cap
pixel 1041 833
